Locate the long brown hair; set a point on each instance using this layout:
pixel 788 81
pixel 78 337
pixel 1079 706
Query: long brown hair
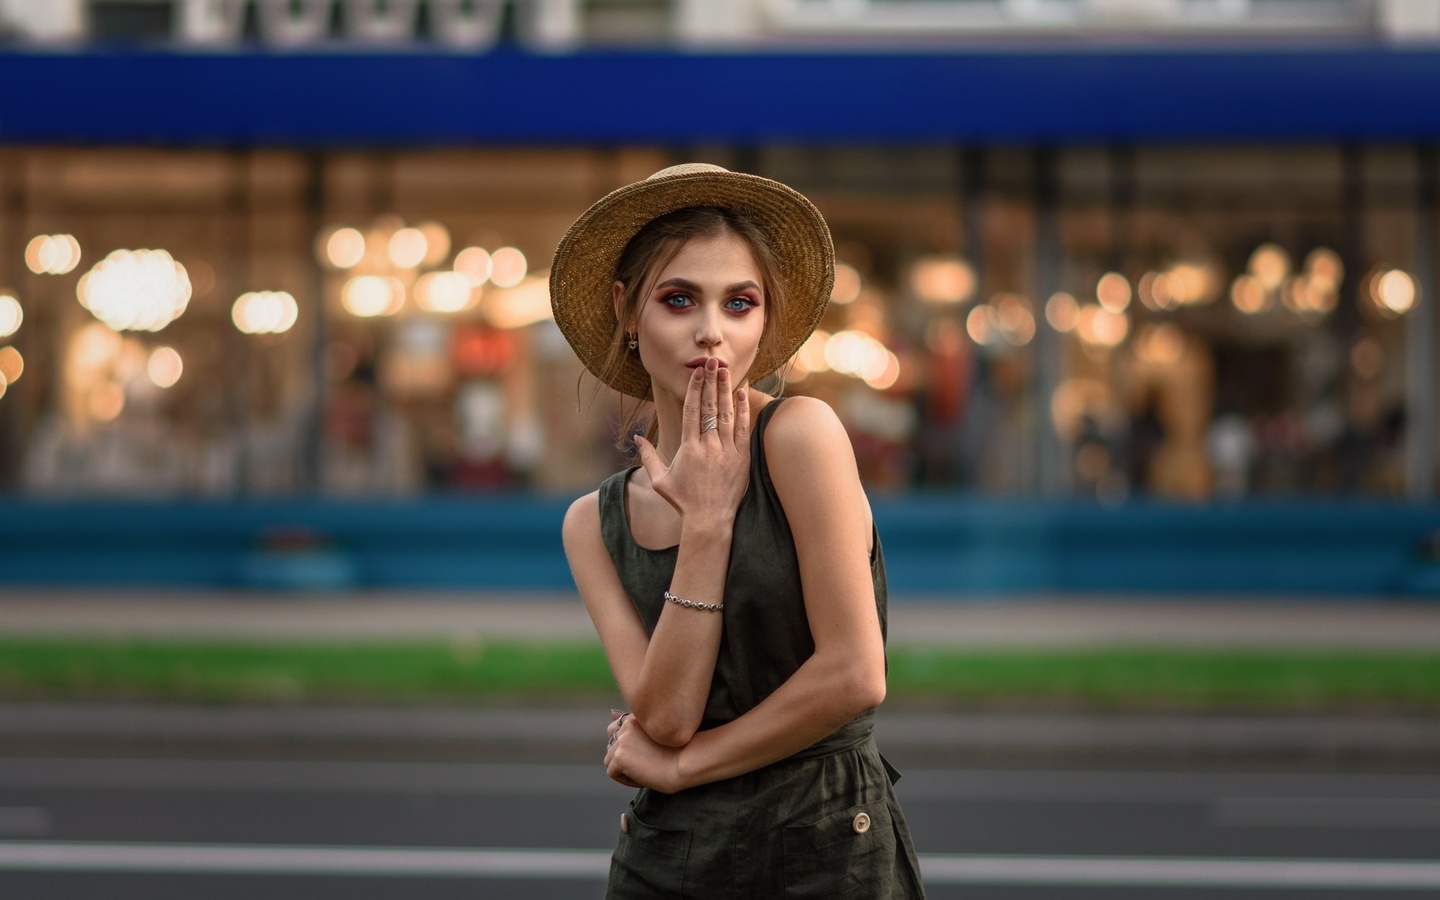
pixel 648 252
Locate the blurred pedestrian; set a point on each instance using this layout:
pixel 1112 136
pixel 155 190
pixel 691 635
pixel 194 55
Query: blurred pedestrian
pixel 735 575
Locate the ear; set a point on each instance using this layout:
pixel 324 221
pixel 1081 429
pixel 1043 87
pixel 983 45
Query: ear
pixel 617 297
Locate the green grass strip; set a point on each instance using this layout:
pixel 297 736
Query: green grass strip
pixel 471 671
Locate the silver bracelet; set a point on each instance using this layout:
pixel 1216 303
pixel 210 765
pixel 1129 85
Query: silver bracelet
pixel 691 604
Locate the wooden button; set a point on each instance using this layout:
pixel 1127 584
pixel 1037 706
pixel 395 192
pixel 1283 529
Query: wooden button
pixel 861 823
pixel 625 824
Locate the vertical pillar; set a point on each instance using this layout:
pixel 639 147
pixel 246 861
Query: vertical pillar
pixel 314 437
pixel 1420 336
pixel 1047 341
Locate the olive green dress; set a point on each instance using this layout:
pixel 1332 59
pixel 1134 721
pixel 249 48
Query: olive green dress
pixel 823 823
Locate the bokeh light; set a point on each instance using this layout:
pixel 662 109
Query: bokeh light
pixel 980 324
pixel 474 264
pixel 1017 324
pixel 437 242
pixel 265 312
pixel 1113 292
pixel 444 292
pixel 12 364
pixel 1270 264
pixel 847 284
pixel 1248 295
pixel 1062 311
pixel 345 248
pixel 136 290
pixel 1100 327
pixel 407 248
pixel 943 280
pixel 11 315
pixel 516 307
pixel 368 296
pixel 164 367
pixel 52 254
pixel 1394 291
pixel 507 267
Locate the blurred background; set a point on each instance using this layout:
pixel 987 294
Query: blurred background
pixel 1133 332
pixel 1116 265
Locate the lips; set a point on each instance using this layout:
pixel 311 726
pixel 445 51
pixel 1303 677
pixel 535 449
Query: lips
pixel 697 363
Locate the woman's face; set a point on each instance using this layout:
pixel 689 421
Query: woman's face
pixel 707 301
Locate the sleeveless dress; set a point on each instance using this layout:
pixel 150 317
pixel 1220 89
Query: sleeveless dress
pixel 823 823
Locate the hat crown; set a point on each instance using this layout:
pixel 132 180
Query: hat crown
pixel 689 169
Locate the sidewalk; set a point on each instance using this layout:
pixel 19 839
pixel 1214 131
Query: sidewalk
pixel 1366 623
pixel 910 736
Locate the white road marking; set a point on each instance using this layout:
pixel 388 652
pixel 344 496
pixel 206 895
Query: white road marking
pixel 239 859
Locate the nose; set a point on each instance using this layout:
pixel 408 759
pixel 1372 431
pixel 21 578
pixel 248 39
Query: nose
pixel 707 328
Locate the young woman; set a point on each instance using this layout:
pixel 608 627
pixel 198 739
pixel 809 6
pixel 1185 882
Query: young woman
pixel 735 577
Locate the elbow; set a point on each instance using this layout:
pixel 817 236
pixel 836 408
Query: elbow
pixel 666 729
pixel 869 690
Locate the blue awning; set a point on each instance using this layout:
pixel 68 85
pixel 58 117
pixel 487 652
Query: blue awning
pixel 1302 93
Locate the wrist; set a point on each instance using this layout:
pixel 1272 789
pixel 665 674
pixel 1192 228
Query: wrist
pixel 710 529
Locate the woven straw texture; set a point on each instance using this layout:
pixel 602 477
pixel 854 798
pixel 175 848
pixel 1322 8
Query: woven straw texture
pixel 583 272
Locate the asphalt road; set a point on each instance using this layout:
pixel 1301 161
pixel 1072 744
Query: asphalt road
pixel 221 829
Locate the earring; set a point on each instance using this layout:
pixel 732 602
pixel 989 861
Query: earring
pixel 633 344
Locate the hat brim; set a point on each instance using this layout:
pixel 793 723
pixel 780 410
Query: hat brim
pixel 582 275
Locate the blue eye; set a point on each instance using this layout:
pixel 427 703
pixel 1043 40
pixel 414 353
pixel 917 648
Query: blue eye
pixel 740 304
pixel 676 301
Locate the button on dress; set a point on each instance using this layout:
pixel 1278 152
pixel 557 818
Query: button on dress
pixel 823 823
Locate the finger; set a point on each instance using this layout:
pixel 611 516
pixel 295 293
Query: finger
pixel 655 467
pixel 690 415
pixel 616 713
pixel 707 393
pixel 742 417
pixel 725 402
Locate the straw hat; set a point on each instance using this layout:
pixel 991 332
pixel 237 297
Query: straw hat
pixel 583 273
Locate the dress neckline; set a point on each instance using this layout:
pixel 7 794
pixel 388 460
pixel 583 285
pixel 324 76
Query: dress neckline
pixel 757 451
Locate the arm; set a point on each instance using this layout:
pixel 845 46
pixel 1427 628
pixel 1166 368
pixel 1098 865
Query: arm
pixel 813 468
pixel 665 677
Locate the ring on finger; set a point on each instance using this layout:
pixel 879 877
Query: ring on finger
pixel 709 423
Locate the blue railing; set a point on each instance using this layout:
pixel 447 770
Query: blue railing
pixel 936 545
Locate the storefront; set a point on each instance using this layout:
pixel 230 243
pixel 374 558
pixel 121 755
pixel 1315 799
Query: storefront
pixel 275 298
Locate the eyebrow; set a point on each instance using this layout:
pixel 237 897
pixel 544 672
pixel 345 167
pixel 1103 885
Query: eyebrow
pixel 689 285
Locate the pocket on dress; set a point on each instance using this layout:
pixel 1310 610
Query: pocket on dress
pixel 848 854
pixel 649 862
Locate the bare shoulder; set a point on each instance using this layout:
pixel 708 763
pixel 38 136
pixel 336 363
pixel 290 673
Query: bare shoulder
pixel 805 432
pixel 582 520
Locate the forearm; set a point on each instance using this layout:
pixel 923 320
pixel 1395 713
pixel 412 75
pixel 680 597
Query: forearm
pixel 670 694
pixel 823 694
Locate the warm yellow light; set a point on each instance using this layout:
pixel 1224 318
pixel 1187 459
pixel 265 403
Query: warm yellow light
pixel 407 248
pixel 887 376
pixel 1100 327
pixel 12 364
pixel 437 242
pixel 4 384
pixel 367 296
pixel 474 264
pixel 981 325
pixel 1325 268
pixel 1395 291
pixel 811 357
pixel 524 304
pixel 1113 292
pixel 1270 264
pixel 1061 311
pixel 847 284
pixel 106 402
pixel 1188 283
pixel 345 248
pixel 1161 345
pixel 1017 325
pixel 11 315
pixel 444 292
pixel 138 290
pixel 52 254
pixel 507 267
pixel 164 367
pixel 942 279
pixel 856 353
pixel 265 312
pixel 1249 295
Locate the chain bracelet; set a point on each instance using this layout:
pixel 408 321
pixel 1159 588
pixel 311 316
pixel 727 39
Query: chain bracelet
pixel 691 604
